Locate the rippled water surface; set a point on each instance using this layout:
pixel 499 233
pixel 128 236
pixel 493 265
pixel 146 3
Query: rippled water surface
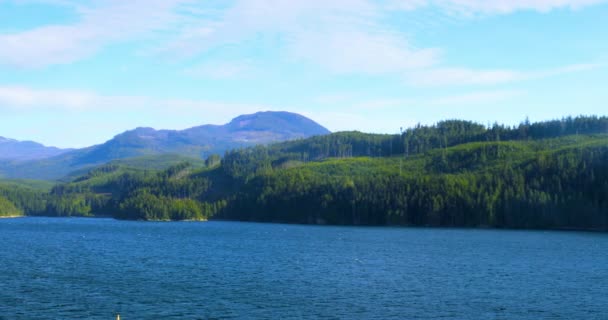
pixel 95 268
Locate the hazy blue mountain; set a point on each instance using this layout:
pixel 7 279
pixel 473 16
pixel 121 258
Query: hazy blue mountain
pixel 11 149
pixel 197 142
pixel 202 141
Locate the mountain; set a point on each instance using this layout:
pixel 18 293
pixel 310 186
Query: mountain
pixel 11 149
pixel 202 141
pixel 197 142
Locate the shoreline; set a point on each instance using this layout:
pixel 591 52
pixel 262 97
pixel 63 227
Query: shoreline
pixel 321 225
pixel 103 217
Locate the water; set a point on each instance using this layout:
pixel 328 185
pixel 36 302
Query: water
pixel 52 268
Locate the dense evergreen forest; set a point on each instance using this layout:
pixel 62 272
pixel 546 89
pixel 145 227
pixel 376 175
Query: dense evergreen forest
pixel 8 209
pixel 551 174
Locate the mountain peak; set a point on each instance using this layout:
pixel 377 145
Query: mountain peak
pixel 280 121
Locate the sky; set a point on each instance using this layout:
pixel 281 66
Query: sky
pixel 76 73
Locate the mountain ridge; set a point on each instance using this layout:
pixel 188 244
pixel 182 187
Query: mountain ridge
pixel 12 149
pixel 197 142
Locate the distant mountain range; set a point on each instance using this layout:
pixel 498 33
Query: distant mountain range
pixel 11 149
pixel 31 160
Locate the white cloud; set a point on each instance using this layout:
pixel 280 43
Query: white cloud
pixel 360 52
pixel 284 15
pixel 350 37
pixel 470 77
pixel 99 25
pixel 253 18
pixel 405 5
pixel 25 99
pixel 509 6
pixel 491 6
pixel 457 100
pixel 46 45
pixel 342 36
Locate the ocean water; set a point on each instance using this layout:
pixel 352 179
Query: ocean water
pixel 60 268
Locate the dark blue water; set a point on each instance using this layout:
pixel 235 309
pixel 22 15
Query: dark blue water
pixel 95 268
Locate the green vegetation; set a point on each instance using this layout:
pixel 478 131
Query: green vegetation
pixel 8 209
pixel 40 185
pixel 456 173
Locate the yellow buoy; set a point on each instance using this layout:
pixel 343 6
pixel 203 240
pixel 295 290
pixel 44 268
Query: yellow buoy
pixel 117 317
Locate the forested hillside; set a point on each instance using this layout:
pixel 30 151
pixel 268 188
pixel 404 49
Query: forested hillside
pixel 8 209
pixel 455 173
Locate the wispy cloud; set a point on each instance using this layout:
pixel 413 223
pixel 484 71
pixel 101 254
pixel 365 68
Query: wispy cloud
pixel 491 6
pixel 99 25
pixel 24 98
pixel 18 98
pixel 479 97
pixel 439 76
pixel 350 37
pixel 341 36
pixel 357 51
pixel 250 18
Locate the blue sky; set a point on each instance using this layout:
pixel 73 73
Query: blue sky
pixel 75 73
